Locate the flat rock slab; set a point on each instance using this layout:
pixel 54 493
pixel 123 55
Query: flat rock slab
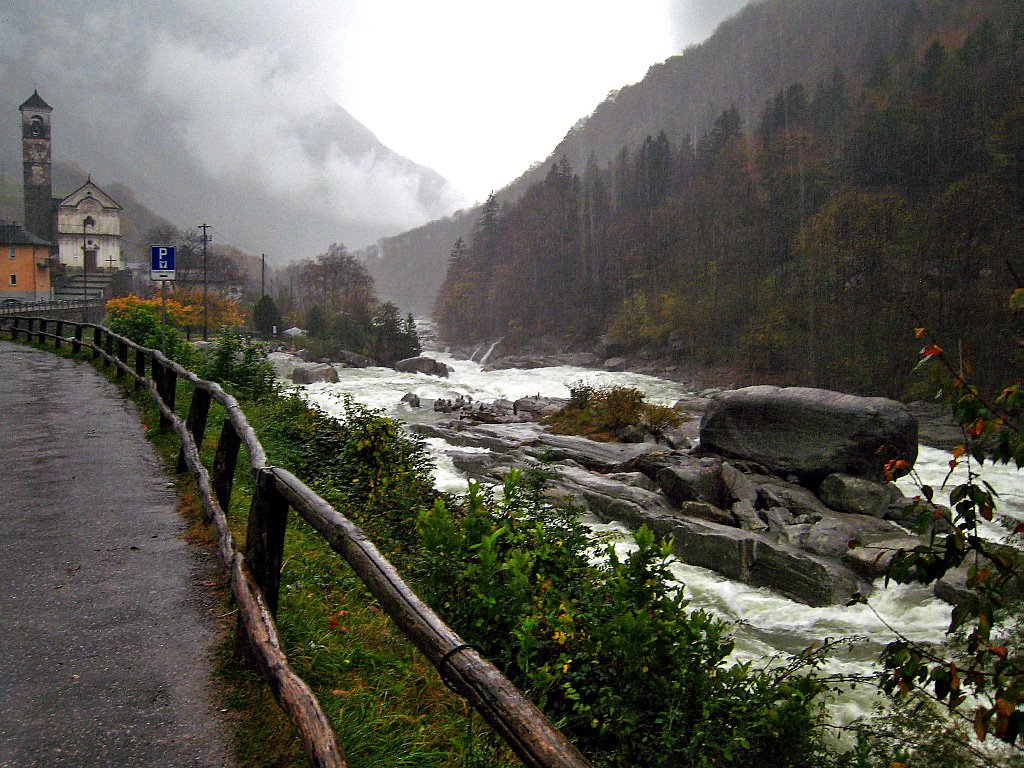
pixel 107 636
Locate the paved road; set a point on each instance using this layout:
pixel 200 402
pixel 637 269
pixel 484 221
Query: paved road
pixel 105 635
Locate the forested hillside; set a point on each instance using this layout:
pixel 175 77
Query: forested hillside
pixel 804 245
pixel 749 58
pixel 408 269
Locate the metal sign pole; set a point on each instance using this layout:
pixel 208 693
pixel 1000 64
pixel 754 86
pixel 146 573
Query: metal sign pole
pixel 163 317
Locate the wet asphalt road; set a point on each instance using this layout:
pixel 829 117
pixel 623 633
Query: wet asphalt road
pixel 105 635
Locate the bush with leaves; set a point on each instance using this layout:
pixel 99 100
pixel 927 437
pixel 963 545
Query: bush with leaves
pixel 607 646
pixel 914 731
pixel 361 462
pixel 985 670
pixel 603 412
pixel 239 364
pixel 140 320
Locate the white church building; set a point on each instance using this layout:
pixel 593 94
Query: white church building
pixel 89 227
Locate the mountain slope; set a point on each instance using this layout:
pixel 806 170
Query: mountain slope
pixel 748 59
pixel 802 246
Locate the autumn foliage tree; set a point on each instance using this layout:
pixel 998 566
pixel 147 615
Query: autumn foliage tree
pixel 335 281
pixel 183 308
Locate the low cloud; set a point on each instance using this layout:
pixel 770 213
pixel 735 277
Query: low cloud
pixel 206 117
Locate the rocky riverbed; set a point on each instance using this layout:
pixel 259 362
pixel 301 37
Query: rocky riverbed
pixel 803 509
pixel 780 488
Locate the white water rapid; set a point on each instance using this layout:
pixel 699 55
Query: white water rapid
pixel 770 624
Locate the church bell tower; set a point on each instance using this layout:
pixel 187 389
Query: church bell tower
pixel 35 152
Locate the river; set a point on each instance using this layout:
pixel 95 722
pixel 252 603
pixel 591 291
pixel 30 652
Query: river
pixel 767 624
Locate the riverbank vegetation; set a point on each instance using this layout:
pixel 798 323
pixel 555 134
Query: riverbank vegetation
pixel 375 331
pixel 799 247
pixel 611 413
pixel 385 701
pixel 332 298
pixel 595 635
pixel 587 641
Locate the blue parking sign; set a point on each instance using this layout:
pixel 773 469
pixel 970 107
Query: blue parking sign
pixel 161 264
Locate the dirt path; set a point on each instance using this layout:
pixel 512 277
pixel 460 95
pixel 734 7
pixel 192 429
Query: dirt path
pixel 105 635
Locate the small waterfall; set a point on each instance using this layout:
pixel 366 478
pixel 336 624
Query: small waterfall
pixel 490 349
pixel 472 357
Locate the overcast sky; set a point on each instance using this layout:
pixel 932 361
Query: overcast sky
pixel 475 90
pixel 503 82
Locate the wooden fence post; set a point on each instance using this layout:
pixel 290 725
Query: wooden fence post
pixel 170 389
pixel 122 356
pixel 97 336
pixel 41 336
pixel 15 328
pixel 166 386
pixel 264 536
pixel 264 546
pixel 58 332
pixel 158 379
pixel 108 347
pixel 224 463
pixel 140 367
pixel 198 411
pixel 76 345
pixel 31 329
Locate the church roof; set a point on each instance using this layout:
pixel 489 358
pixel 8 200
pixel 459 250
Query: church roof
pixel 35 101
pixel 12 234
pixel 89 189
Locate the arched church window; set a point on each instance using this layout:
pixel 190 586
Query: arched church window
pixel 36 126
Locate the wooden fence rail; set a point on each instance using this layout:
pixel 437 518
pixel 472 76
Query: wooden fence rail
pixel 255 572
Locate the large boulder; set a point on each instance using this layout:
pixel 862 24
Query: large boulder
pixel 538 407
pixel 311 373
pixel 283 364
pixel 810 433
pixel 694 479
pixel 602 457
pixel 354 360
pixel 422 364
pixel 773 492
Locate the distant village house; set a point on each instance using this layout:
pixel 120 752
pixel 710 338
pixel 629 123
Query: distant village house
pixel 25 276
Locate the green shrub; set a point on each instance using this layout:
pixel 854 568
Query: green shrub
pixel 609 649
pixel 602 412
pixel 239 364
pixel 362 463
pixel 140 322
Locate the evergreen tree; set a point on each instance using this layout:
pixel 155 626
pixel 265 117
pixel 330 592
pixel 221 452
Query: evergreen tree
pixel 316 322
pixel 458 255
pixel 266 317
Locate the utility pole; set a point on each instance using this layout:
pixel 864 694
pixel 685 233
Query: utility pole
pixel 263 275
pixel 206 303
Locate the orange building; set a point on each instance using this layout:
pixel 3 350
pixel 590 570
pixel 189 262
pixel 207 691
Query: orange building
pixel 25 259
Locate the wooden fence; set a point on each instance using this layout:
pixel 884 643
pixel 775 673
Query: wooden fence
pixel 255 571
